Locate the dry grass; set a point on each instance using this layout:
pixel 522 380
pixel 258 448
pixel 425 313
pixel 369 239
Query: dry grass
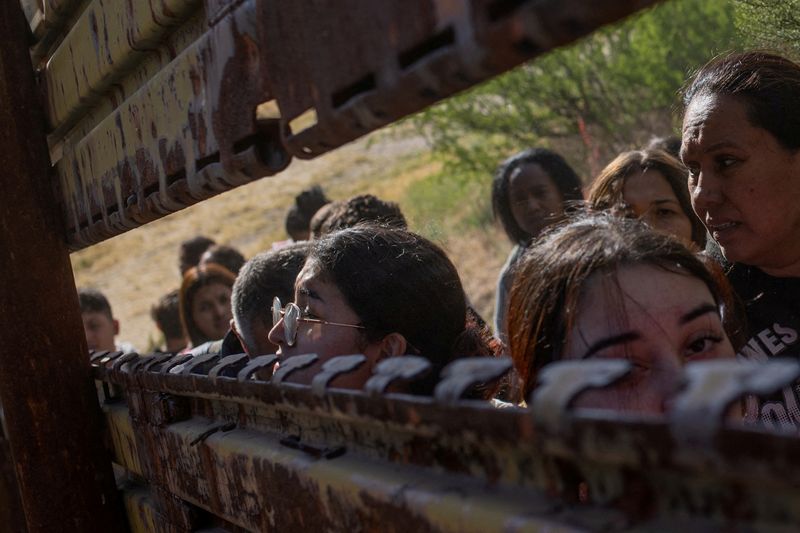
pixel 136 268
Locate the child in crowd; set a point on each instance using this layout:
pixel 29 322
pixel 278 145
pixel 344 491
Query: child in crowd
pixel 99 324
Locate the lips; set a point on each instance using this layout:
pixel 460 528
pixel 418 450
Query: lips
pixel 722 230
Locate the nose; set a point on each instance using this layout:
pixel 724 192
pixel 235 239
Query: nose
pixel 277 335
pixel 705 192
pixel 534 204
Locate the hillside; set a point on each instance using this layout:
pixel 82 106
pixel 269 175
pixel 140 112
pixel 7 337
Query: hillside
pixel 251 217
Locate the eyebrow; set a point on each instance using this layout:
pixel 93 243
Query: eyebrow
pixel 721 144
pixel 713 147
pixel 305 291
pixel 622 338
pixel 698 311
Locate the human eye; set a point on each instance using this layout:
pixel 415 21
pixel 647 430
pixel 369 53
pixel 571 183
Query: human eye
pixel 702 344
pixel 305 312
pixel 725 161
pixel 665 212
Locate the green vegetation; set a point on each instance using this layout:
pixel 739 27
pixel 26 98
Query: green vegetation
pixel 609 92
pixel 770 24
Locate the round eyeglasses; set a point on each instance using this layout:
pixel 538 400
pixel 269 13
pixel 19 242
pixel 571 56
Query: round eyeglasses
pixel 291 315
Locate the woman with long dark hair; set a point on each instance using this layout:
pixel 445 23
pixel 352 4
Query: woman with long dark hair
pixel 531 190
pixel 382 292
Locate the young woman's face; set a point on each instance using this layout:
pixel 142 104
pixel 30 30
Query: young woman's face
pixel 211 310
pixel 745 186
pixel 321 299
pixel 649 197
pixel 534 198
pixel 657 320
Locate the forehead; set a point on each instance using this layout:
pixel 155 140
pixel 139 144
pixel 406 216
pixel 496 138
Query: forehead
pixel 530 175
pixel 95 316
pixel 712 118
pixel 313 281
pixel 211 289
pixel 310 273
pixel 647 186
pixel 641 297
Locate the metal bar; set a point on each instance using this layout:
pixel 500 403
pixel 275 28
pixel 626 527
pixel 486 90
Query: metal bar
pixel 65 479
pixel 188 134
pixel 236 447
pixel 11 517
pixel 106 42
pixel 339 70
pixel 149 138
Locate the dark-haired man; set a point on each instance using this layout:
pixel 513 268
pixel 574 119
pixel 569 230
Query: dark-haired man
pixel 264 277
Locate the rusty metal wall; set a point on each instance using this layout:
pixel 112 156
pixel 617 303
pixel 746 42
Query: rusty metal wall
pixel 54 466
pixel 154 106
pixel 226 442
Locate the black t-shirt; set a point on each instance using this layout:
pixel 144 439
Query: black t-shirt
pixel 772 309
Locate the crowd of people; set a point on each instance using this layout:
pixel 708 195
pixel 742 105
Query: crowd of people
pixel 684 250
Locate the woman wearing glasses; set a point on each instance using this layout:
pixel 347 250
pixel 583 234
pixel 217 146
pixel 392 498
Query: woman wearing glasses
pixel 380 292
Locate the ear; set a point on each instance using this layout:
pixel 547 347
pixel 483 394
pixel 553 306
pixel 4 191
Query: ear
pixel 392 345
pixel 115 322
pixel 239 336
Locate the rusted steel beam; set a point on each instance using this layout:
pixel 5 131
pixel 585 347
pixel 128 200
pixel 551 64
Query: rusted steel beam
pixel 188 134
pixel 260 483
pixel 49 24
pixel 106 43
pixel 11 516
pixel 49 404
pixel 265 80
pixel 213 430
pixel 385 60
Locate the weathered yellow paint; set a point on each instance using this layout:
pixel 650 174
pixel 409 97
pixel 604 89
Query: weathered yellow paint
pixel 140 508
pixel 223 470
pixel 122 163
pixel 109 39
pixel 123 439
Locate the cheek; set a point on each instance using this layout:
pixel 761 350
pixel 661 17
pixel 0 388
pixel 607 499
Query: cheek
pixel 518 212
pixel 204 316
pixel 326 341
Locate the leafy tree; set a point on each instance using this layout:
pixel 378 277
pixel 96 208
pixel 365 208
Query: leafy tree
pixel 770 24
pixel 606 93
